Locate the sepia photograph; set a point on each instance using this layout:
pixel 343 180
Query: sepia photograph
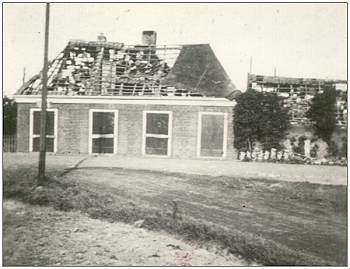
pixel 174 134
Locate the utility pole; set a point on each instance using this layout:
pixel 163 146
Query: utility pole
pixel 42 156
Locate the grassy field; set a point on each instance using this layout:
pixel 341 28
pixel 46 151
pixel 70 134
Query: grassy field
pixel 269 222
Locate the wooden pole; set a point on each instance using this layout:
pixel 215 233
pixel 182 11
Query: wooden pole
pixel 42 156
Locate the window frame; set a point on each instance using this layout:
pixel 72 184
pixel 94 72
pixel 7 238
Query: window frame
pixel 199 135
pixel 114 135
pixel 168 136
pixel 31 128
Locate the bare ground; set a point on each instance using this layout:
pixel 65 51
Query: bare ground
pixel 40 236
pixel 307 219
pixel 301 216
pixel 321 174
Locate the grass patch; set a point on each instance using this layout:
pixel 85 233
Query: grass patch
pixel 99 202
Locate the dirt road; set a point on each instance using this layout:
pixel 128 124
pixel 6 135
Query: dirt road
pixel 335 175
pixel 321 174
pixel 308 218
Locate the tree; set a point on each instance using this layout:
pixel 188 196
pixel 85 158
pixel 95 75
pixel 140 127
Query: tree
pixel 322 113
pixel 9 116
pixel 259 117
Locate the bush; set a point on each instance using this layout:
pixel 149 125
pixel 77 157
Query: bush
pixel 9 116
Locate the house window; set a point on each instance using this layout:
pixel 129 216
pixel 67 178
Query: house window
pixel 51 130
pixel 157 133
pixel 212 134
pixel 103 131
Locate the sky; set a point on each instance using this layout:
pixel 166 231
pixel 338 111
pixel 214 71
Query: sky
pixel 299 40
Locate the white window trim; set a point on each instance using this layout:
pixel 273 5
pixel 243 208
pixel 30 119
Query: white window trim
pixel 199 135
pixel 169 135
pixel 31 128
pixel 114 135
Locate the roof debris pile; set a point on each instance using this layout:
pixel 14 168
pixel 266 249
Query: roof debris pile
pixel 93 68
pixel 111 68
pixel 297 94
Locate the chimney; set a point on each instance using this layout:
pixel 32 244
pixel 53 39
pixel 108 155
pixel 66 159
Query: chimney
pixel 149 38
pixel 101 38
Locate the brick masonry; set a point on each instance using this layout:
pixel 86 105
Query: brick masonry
pixel 73 128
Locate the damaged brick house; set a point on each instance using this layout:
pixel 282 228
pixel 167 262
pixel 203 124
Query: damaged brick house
pixel 142 100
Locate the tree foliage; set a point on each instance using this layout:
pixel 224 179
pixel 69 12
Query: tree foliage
pixel 322 113
pixel 9 116
pixel 259 117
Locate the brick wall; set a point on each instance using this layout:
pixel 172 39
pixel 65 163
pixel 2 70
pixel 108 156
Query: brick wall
pixel 73 128
pixel 23 111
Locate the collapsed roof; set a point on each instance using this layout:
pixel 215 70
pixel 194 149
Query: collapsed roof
pixel 111 68
pixel 274 80
pixel 297 94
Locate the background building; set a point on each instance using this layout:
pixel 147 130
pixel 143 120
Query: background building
pixel 297 94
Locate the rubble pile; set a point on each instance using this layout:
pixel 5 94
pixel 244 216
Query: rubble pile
pixel 286 156
pixel 110 68
pixel 297 94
